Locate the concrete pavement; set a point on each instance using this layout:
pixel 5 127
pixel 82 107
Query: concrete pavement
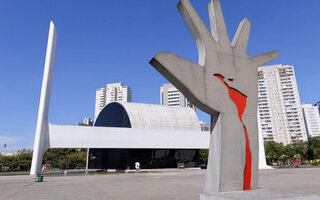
pixel 163 184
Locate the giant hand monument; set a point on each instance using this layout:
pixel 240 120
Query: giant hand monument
pixel 223 84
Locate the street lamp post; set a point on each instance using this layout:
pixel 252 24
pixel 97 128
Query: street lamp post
pixel 4 149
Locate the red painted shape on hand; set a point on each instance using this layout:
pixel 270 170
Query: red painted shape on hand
pixel 241 101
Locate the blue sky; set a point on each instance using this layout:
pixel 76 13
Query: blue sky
pixel 102 42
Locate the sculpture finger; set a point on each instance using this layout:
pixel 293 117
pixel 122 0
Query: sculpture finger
pixel 265 58
pixel 196 26
pixel 186 76
pixel 217 23
pixel 241 38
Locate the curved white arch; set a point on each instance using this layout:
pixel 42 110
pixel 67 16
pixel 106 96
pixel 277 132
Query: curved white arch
pixel 150 116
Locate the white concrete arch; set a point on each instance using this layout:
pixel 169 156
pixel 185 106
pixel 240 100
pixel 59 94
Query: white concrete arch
pixel 150 116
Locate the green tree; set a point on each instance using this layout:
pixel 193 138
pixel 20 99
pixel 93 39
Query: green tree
pixel 77 159
pixel 204 153
pixel 273 151
pixel 65 158
pixel 313 148
pixel 23 159
pixel 300 149
pixel 9 161
pixel 56 158
pixel 308 150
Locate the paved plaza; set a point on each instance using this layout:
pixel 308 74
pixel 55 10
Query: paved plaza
pixel 161 184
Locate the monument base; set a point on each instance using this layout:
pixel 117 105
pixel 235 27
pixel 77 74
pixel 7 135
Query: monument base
pixel 264 194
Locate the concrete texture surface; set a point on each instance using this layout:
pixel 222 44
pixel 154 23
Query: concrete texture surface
pixel 262 194
pixel 42 122
pixel 166 184
pixel 151 116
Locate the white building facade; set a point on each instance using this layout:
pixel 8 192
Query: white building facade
pixel 311 119
pixel 279 106
pixel 114 92
pixel 171 96
pixel 100 101
pixel 318 106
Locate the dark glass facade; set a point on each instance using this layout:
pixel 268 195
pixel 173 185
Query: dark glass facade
pixel 114 115
pixel 148 158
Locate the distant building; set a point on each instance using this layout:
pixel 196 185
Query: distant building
pixel 100 101
pixel 312 119
pixel 279 106
pixel 86 122
pixel 204 126
pixel 318 105
pixel 114 92
pixel 171 96
pixel 9 154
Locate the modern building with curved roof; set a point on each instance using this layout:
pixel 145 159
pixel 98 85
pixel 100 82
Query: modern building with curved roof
pixel 145 116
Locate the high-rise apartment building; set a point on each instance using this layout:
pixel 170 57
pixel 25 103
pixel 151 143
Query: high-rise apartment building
pixel 318 106
pixel 311 119
pixel 171 96
pixel 279 106
pixel 86 122
pixel 100 101
pixel 112 92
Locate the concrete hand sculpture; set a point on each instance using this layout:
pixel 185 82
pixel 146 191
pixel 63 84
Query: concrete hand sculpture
pixel 224 85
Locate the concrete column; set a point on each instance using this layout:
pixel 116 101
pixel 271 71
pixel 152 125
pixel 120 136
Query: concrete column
pixel 42 122
pixel 227 155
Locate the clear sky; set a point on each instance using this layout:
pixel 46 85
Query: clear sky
pixel 102 42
